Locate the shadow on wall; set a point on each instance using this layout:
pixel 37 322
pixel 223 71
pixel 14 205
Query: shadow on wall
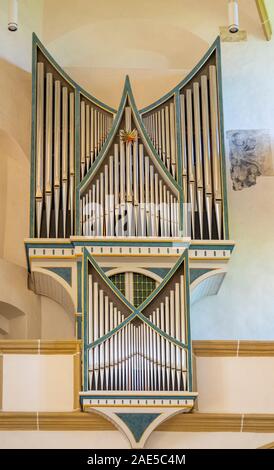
pixel 12 321
pixel 14 199
pixel 15 105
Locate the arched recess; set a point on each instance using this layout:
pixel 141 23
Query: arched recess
pixel 11 321
pixel 206 285
pixel 146 272
pixel 130 287
pixel 49 284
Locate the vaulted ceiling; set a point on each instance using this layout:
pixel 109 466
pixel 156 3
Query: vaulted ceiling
pixel 100 42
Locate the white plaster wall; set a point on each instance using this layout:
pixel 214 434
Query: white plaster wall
pixel 115 440
pixel 210 440
pixel 63 440
pixel 37 383
pixel 225 385
pixel 244 307
pixel 30 19
pixel 235 385
pixel 14 291
pixel 56 323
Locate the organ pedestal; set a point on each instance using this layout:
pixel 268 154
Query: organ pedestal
pixel 133 193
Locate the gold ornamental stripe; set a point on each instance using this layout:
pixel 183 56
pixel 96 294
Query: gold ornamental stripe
pixel 223 348
pixel 233 348
pixel 184 422
pixel 36 346
pixel 265 19
pixel 1 381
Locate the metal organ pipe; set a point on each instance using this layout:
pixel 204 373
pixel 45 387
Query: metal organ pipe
pixel 141 197
pixel 39 146
pixel 83 139
pixel 71 159
pixel 87 121
pixel 172 139
pixel 200 151
pixel 136 356
pixel 198 155
pixel 183 143
pixel 57 152
pixel 217 189
pixel 64 157
pixel 191 175
pixel 48 148
pixel 206 153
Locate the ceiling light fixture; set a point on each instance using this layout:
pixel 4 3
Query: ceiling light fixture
pixel 233 15
pixel 13 15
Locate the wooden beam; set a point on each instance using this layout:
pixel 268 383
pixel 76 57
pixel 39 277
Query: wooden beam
pixel 224 348
pixel 184 422
pixel 265 20
pixel 36 346
pixel 206 348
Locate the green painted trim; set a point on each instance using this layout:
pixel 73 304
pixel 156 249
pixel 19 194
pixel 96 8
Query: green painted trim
pixel 108 281
pixel 161 332
pixel 167 278
pixel 75 85
pixel 137 423
pixel 84 243
pixel 135 312
pixel 127 93
pixel 64 273
pixel 82 185
pixel 112 332
pixel 106 269
pixel 49 245
pixel 128 320
pixel 187 296
pixel 73 244
pixel 130 244
pixel 215 48
pixel 183 82
pixel 139 397
pixel 162 272
pixel 212 247
pixel 87 258
pixel 222 138
pixel 195 273
pixel 146 136
pixel 33 139
pixel 79 287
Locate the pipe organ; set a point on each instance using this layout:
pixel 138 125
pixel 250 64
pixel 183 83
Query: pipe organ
pixel 55 153
pixel 200 141
pixel 139 194
pixel 68 131
pixel 128 195
pixel 95 124
pixel 127 348
pixel 161 127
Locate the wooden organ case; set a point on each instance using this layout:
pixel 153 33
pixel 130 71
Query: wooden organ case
pixel 129 227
